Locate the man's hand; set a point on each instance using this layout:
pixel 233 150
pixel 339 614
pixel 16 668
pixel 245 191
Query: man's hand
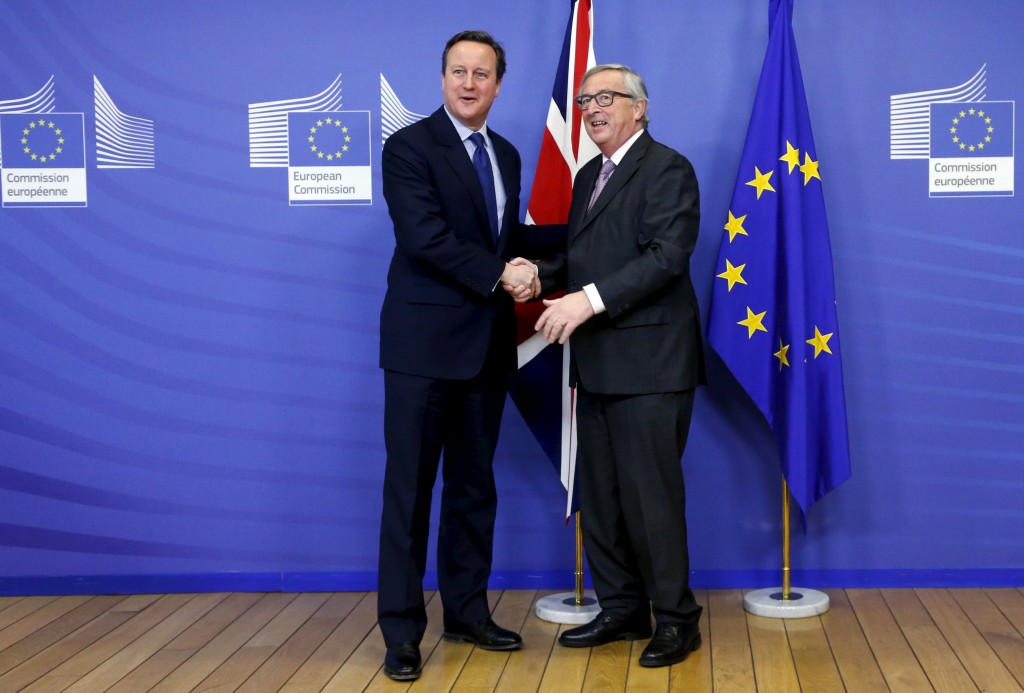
pixel 563 315
pixel 520 279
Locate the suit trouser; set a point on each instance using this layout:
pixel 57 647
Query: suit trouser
pixel 633 502
pixel 422 417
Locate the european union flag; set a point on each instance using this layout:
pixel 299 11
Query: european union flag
pixel 971 130
pixel 773 310
pixel 42 140
pixel 328 138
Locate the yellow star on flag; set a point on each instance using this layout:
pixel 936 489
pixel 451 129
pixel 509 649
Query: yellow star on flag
pixel 735 226
pixel 733 275
pixel 762 181
pixel 820 342
pixel 781 355
pixel 791 157
pixel 753 322
pixel 810 169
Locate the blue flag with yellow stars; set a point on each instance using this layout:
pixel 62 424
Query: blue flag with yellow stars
pixel 328 138
pixel 773 308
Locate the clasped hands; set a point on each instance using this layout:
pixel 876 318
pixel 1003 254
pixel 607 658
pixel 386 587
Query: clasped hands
pixel 520 279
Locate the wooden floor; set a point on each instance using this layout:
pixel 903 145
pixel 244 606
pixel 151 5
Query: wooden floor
pixel 870 640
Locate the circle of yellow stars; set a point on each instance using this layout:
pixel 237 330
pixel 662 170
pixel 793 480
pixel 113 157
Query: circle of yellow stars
pixel 733 274
pixel 328 122
pixel 31 132
pixel 959 119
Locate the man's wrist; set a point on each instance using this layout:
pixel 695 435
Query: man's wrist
pixel 595 298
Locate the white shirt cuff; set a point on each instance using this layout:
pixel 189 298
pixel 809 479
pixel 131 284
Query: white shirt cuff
pixel 595 298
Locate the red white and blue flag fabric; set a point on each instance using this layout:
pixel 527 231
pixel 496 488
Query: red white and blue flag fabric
pixel 540 389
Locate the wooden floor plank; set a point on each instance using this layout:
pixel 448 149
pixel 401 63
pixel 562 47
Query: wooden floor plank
pixel 484 669
pixel 211 655
pixel 141 648
pixel 1011 603
pixel 294 651
pixel 567 668
pixel 944 670
pixel 608 667
pixel 977 656
pixel 525 668
pixel 895 639
pixel 65 648
pixel 40 618
pixel 442 661
pixel 774 669
pixel 6 602
pixel 237 668
pixel 857 665
pixel 899 665
pixel 21 608
pixel 38 640
pixel 816 666
pixel 184 645
pixel 999 633
pixel 140 622
pixel 732 663
pixel 325 661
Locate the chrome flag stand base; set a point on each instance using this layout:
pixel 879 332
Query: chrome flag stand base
pixel 801 603
pixel 562 608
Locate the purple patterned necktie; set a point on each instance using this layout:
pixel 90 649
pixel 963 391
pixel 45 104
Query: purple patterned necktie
pixel 602 179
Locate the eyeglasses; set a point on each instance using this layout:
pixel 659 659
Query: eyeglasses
pixel 603 98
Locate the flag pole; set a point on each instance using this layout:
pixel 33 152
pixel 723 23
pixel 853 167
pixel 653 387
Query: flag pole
pixel 786 590
pixel 579 560
pixel 576 607
pixel 787 602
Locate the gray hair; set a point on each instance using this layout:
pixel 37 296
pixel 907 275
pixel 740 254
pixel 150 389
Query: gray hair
pixel 635 86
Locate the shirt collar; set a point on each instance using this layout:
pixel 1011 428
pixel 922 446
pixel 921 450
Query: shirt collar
pixel 465 132
pixel 619 153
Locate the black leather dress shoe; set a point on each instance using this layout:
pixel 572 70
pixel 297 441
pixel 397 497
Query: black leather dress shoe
pixel 485 634
pixel 606 628
pixel 671 643
pixel 402 662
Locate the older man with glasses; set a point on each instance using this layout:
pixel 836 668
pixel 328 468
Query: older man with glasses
pixel 632 320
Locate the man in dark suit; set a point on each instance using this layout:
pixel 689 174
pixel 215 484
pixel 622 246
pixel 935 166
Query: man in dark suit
pixel 447 347
pixel 632 321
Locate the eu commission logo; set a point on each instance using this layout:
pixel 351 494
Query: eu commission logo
pixel 971 152
pixel 43 158
pixel 329 158
pixel 968 141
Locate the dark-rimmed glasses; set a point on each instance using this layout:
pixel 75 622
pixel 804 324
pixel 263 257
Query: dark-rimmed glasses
pixel 603 99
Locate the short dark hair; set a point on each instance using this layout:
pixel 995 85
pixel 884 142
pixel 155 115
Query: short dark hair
pixel 477 37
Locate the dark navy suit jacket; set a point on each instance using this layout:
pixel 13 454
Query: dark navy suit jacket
pixel 442 313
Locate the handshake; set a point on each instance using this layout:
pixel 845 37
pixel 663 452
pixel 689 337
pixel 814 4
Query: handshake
pixel 520 279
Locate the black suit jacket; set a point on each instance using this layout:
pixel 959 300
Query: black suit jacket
pixel 635 246
pixel 442 314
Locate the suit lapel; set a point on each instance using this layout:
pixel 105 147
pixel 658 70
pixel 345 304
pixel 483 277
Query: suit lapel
pixel 585 180
pixel 623 172
pixel 508 175
pixel 455 153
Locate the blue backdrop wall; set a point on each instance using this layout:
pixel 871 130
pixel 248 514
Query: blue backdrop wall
pixel 189 391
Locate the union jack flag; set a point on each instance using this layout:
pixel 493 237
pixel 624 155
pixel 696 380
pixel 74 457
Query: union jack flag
pixel 540 390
